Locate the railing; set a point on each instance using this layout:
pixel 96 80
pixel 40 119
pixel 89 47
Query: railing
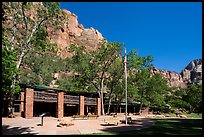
pixel 90 101
pixel 71 99
pixel 45 97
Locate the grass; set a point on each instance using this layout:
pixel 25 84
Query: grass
pixel 191 115
pixel 165 127
pixel 194 115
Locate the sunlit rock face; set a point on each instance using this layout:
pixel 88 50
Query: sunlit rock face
pixel 71 32
pixel 174 79
pixel 192 73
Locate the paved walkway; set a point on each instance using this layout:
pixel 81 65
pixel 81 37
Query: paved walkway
pixel 19 125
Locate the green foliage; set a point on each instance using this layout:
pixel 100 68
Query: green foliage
pixel 65 83
pixel 136 63
pixel 25 31
pixel 41 67
pixel 189 98
pixel 8 68
pixel 156 89
pixel 28 77
pixel 194 115
pixel 115 80
pixel 139 80
pixel 194 97
pixel 93 66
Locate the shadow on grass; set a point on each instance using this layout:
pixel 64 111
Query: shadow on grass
pixel 8 130
pixel 160 127
pixel 134 125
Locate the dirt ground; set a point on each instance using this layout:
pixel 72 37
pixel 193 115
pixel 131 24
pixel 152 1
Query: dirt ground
pixel 52 126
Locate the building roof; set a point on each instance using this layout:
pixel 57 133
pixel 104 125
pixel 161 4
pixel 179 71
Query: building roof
pixel 123 103
pixel 43 88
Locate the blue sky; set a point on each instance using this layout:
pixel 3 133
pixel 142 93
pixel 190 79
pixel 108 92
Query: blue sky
pixel 169 31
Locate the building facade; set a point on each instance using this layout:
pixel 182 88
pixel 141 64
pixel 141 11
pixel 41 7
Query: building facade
pixel 35 100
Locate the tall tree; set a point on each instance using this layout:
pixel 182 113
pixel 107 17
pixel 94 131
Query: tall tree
pixel 21 23
pixel 9 69
pixel 114 80
pixel 156 90
pixel 92 66
pixel 138 75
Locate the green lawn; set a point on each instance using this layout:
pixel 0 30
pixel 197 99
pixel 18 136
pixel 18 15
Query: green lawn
pixel 166 127
pixel 191 115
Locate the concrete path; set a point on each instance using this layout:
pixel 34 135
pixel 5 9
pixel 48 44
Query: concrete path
pixel 19 125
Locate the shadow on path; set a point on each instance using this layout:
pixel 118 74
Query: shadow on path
pixel 8 130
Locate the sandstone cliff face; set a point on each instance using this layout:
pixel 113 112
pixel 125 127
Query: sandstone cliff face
pixel 174 79
pixel 192 73
pixel 72 32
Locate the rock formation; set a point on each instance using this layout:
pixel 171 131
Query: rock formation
pixel 192 73
pixel 174 79
pixel 72 32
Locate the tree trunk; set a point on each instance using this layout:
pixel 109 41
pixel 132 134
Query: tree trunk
pixel 109 103
pixel 10 106
pixel 109 100
pixel 141 103
pixel 140 107
pixel 102 104
pixel 10 100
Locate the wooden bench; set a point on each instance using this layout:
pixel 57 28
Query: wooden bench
pixel 115 121
pixel 113 114
pixel 79 116
pixel 96 116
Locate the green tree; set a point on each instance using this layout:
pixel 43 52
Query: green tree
pixel 156 90
pixel 8 70
pixel 139 81
pixel 138 76
pixel 22 22
pixel 188 99
pixel 194 97
pixel 114 80
pixel 92 66
pixel 41 68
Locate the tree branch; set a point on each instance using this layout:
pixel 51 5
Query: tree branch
pixel 24 17
pixel 14 32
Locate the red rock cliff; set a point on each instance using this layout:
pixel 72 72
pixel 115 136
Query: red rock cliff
pixel 72 32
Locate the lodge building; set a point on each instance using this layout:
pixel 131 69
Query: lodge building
pixel 35 100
